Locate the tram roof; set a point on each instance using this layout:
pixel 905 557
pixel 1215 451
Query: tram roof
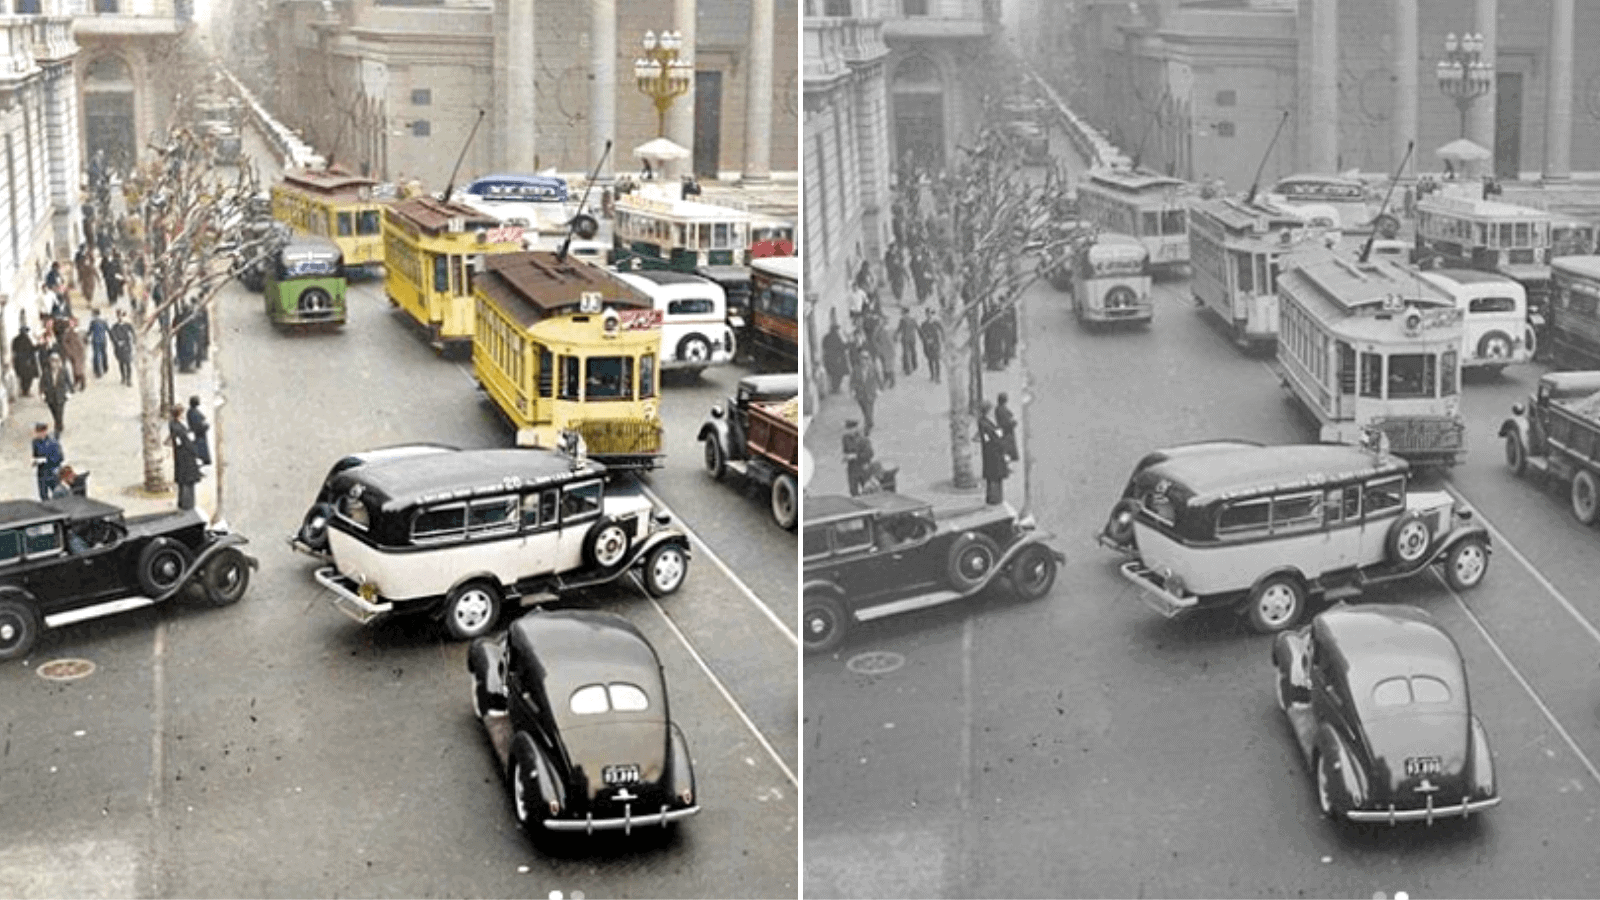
pixel 1134 180
pixel 782 266
pixel 1587 266
pixel 1233 214
pixel 678 208
pixel 1483 209
pixel 1343 285
pixel 434 215
pixel 531 285
pixel 1260 470
pixel 328 181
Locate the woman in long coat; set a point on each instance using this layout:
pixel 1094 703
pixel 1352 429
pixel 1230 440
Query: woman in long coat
pixel 995 468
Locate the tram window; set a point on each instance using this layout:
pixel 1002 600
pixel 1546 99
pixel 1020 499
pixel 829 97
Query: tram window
pixel 458 276
pixel 1383 495
pixel 1246 279
pixel 721 236
pixel 441 274
pixel 571 378
pixel 647 375
pixel 1174 221
pixel 369 222
pixel 492 516
pixel 1371 375
pixel 705 237
pixel 681 236
pixel 346 224
pixel 1411 375
pixel 1524 235
pixel 1492 305
pixel 609 378
pixel 1152 224
pixel 1447 374
pixel 546 372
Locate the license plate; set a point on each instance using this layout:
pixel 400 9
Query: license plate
pixel 620 774
pixel 1423 765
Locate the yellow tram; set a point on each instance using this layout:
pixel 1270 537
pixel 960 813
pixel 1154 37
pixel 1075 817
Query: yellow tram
pixel 562 345
pixel 339 206
pixel 432 247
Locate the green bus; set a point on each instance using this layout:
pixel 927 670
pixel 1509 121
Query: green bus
pixel 305 283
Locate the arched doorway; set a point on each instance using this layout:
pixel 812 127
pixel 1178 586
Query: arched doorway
pixel 918 93
pixel 108 123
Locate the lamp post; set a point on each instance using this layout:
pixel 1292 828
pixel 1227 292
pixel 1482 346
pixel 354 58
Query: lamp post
pixel 664 73
pixel 1463 74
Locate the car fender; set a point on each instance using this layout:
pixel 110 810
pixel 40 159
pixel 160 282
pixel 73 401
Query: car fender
pixel 550 787
pixel 1482 761
pixel 475 576
pixel 219 542
pixel 1291 571
pixel 1519 426
pixel 823 586
pixel 1028 540
pixel 483 660
pixel 642 548
pixel 1352 780
pixel 682 766
pixel 716 428
pixel 1459 534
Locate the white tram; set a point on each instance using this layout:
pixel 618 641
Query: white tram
pixel 1234 248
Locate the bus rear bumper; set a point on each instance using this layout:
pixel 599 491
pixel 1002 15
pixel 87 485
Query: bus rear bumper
pixel 1156 590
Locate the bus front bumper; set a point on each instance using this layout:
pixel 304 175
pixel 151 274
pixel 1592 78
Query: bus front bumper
pixel 357 599
pixel 1156 591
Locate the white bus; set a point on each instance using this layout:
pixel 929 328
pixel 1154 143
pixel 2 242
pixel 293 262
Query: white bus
pixel 1347 198
pixel 1495 332
pixel 694 318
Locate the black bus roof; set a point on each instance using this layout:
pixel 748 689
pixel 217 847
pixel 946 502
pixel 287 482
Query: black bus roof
pixel 431 477
pixel 1249 471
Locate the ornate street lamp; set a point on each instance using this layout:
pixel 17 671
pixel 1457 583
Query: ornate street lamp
pixel 1463 74
pixel 664 74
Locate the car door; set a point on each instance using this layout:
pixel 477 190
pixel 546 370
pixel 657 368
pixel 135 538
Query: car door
pixel 906 562
pixel 66 574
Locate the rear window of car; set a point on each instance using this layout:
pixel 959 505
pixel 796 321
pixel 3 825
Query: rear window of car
pixel 618 696
pixel 1401 691
pixel 693 306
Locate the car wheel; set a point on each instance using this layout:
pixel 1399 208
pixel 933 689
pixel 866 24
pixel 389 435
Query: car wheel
pixel 484 700
pixel 314 530
pixel 1585 497
pixel 1516 454
pixel 1276 604
pixel 18 629
pixel 1466 564
pixel 785 505
pixel 1409 539
pixel 665 568
pixel 606 545
pixel 226 576
pixel 1119 528
pixel 1033 571
pixel 694 349
pixel 471 609
pixel 971 561
pixel 1495 345
pixel 823 623
pixel 716 459
pixel 162 565
pixel 315 300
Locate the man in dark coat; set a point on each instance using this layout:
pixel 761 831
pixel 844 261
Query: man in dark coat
pixel 24 360
pixel 111 274
pixel 71 341
pixel 907 332
pixel 864 384
pixel 199 427
pixel 46 459
pixel 835 358
pixel 122 345
pixel 185 464
pixel 932 340
pixel 84 264
pixel 857 455
pixel 99 332
pixel 894 268
pixel 55 386
pixel 995 468
pixel 1007 423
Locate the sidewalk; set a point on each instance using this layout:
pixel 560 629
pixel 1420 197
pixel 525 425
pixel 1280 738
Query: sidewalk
pixel 102 438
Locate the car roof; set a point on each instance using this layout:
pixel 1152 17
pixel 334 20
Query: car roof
pixel 74 508
pixel 1565 385
pixel 1469 276
pixel 430 477
pixel 786 383
pixel 575 647
pixel 1374 642
pixel 833 507
pixel 1258 470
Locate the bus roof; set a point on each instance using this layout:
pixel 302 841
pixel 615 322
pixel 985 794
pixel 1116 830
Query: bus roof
pixel 433 215
pixel 1245 471
pixel 1134 181
pixel 1586 266
pixel 1109 246
pixel 310 246
pixel 530 286
pixel 328 181
pixel 1478 208
pixel 409 480
pixel 780 266
pixel 1470 276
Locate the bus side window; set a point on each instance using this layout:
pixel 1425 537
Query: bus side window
pixel 1333 507
pixel 547 507
pixel 530 511
pixel 1384 495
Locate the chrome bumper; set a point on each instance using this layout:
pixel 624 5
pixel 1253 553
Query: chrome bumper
pixel 347 597
pixel 625 824
pixel 1154 592
pixel 1427 814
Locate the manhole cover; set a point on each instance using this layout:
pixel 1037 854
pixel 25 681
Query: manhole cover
pixel 877 662
pixel 66 669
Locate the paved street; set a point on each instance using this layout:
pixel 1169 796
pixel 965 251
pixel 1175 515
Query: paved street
pixel 1083 746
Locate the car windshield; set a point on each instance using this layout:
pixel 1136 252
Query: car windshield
pixel 592 699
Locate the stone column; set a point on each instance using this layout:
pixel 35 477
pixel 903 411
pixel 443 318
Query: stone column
pixel 680 118
pixel 1323 124
pixel 758 95
pixel 514 114
pixel 1406 85
pixel 1481 117
pixel 1558 99
pixel 603 84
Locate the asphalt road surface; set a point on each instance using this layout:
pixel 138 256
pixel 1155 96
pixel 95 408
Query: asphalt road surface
pixel 1081 745
pixel 277 748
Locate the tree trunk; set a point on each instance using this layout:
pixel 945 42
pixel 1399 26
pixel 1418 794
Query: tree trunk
pixel 151 415
pixel 957 365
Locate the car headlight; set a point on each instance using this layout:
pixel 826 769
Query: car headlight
pixel 1027 523
pixel 716 412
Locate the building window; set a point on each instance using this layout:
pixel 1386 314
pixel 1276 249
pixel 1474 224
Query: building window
pixel 105 6
pixel 1224 129
pixel 421 128
pixel 914 7
pixel 836 8
pixel 1227 98
pixel 27 7
pixel 421 96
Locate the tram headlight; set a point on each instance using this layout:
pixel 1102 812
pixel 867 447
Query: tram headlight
pixel 610 321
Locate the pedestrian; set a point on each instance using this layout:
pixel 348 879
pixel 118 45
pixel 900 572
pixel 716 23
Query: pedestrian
pixel 44 348
pixel 894 268
pixel 907 332
pixel 24 359
pixel 835 358
pixel 199 427
pixel 864 385
pixel 111 274
pixel 883 348
pixel 857 455
pixel 1007 423
pixel 88 223
pixel 69 482
pixel 52 278
pixel 55 387
pixel 995 468
pixel 185 464
pixel 71 340
pixel 122 346
pixel 99 331
pixel 932 340
pixel 46 460
pixel 84 264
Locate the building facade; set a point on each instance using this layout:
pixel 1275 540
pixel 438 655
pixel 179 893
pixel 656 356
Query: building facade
pixel 394 89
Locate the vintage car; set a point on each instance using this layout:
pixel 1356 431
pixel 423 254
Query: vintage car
pixel 456 535
pixel 1377 699
pixel 73 559
pixel 312 538
pixel 575 705
pixel 879 554
pixel 1118 532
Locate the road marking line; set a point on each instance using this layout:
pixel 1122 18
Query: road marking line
pixel 158 763
pixel 1537 575
pixel 1506 661
pixel 743 588
pixel 771 751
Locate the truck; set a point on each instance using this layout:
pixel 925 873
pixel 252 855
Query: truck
pixel 1555 436
pixel 756 435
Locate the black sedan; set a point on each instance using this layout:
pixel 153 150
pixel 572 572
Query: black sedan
pixel 69 560
pixel 879 554
pixel 575 704
pixel 1377 698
